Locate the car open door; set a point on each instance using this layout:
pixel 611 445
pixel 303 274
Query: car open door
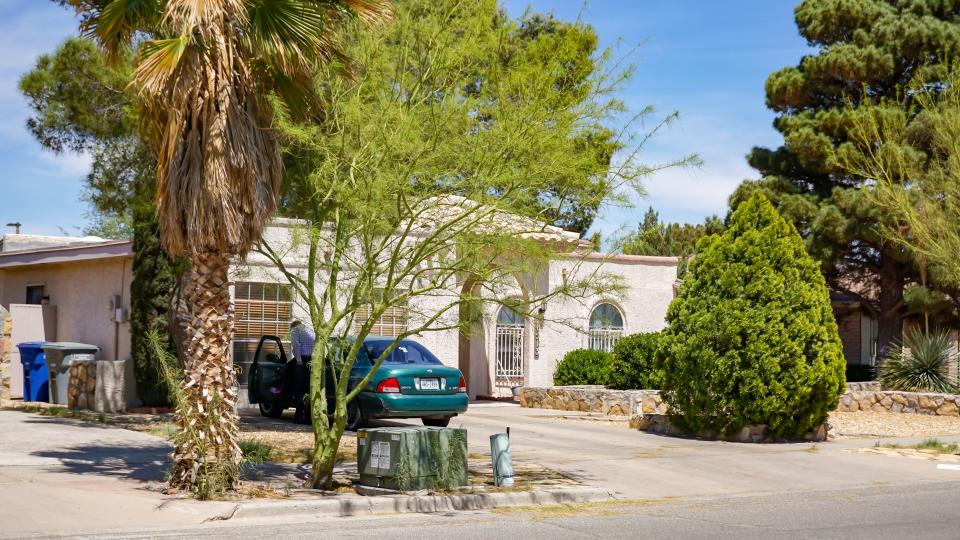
pixel 267 380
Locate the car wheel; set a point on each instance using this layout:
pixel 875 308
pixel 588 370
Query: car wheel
pixel 436 422
pixel 271 410
pixel 354 417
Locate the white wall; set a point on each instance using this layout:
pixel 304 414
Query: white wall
pixel 647 292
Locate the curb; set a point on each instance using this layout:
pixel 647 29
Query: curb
pixel 353 505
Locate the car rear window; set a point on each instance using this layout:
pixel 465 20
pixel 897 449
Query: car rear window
pixel 407 352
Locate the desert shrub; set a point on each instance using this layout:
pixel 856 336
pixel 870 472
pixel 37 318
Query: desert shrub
pixel 634 362
pixel 922 364
pixel 583 366
pixel 751 337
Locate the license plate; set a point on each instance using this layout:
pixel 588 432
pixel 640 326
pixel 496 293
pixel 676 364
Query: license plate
pixel 429 384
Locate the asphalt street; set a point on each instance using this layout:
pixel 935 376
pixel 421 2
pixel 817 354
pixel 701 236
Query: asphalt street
pixel 930 511
pixel 64 477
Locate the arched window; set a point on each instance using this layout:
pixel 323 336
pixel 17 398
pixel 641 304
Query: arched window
pixel 509 351
pixel 606 327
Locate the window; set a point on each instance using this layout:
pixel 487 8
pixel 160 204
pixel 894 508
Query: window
pixel 407 352
pixel 606 327
pixel 35 294
pixel 261 309
pixel 392 323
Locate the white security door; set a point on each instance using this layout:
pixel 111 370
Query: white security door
pixel 509 348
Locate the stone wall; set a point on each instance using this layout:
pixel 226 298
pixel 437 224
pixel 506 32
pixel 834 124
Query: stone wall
pixel 900 402
pixel 6 352
pixel 660 423
pixel 865 396
pixel 593 399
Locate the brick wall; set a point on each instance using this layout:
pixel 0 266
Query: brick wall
pixel 850 329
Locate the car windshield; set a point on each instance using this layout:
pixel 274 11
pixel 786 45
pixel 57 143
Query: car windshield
pixel 407 352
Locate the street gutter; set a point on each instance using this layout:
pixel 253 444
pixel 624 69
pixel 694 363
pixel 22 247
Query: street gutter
pixel 355 505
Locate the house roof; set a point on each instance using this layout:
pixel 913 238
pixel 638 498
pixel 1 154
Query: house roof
pixel 66 254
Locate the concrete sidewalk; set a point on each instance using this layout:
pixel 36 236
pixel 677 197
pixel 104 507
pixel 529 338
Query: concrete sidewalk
pixel 61 476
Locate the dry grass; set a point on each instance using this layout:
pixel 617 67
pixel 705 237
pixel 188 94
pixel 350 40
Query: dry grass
pixel 297 446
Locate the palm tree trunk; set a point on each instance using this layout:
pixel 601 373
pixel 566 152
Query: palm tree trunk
pixel 206 454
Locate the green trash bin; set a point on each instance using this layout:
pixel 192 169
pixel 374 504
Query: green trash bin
pixel 60 354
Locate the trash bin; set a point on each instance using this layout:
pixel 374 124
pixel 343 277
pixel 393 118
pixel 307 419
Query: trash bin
pixel 35 374
pixel 60 354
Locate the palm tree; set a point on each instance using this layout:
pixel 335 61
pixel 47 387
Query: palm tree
pixel 208 74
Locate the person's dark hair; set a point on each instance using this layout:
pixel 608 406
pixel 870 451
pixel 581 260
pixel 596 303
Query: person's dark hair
pixel 295 323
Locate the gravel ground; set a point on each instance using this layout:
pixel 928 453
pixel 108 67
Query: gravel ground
pixel 856 425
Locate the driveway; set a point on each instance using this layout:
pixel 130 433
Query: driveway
pixel 638 465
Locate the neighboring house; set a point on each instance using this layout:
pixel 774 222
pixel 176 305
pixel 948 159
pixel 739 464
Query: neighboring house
pixel 76 291
pixel 858 330
pixel 85 285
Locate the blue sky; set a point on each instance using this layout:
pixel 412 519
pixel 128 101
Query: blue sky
pixel 708 60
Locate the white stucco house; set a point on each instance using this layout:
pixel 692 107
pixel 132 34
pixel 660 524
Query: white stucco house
pixel 82 288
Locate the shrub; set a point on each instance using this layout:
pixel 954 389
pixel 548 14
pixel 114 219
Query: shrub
pixel 583 366
pixel 923 367
pixel 751 336
pixel 634 362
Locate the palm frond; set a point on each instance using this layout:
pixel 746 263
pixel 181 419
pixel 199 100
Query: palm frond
pixel 114 26
pixel 157 60
pixel 204 17
pixel 289 38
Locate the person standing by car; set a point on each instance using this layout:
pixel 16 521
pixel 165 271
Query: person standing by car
pixel 302 340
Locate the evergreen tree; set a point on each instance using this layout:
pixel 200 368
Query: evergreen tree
pixel 80 104
pixel 751 337
pixel 867 50
pixel 668 239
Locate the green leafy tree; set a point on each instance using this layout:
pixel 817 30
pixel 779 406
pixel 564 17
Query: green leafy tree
pixel 866 50
pixel 80 103
pixel 653 237
pixel 751 337
pixel 668 239
pixel 417 182
pixel 908 150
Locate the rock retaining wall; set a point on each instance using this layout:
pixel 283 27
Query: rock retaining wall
pixel 866 396
pixel 6 352
pixel 593 399
pixel 660 423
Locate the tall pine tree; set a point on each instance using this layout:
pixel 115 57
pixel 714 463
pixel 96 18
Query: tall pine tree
pixel 866 51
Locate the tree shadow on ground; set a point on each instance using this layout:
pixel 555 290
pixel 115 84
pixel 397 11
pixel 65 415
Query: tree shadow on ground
pixel 143 462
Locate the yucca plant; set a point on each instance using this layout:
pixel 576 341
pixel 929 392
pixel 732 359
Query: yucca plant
pixel 921 364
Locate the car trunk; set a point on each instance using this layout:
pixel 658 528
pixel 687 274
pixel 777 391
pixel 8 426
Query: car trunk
pixel 427 379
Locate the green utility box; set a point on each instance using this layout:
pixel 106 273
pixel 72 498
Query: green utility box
pixel 412 458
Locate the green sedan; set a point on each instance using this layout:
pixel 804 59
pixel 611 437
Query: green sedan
pixel 411 383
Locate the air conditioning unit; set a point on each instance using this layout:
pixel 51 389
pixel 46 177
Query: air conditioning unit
pixel 412 458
